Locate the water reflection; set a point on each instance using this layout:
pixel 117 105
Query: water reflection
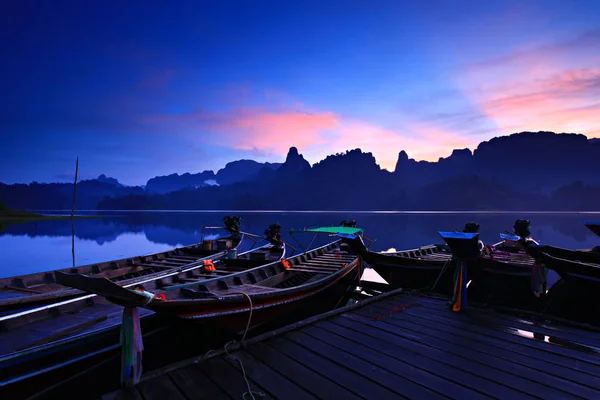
pixel 45 245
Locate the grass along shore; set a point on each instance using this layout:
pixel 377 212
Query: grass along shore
pixel 8 215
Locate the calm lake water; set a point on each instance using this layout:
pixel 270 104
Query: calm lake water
pixel 46 245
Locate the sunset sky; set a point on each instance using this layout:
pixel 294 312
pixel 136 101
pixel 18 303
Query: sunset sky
pixel 147 88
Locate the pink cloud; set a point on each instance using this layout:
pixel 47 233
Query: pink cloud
pixel 315 133
pixel 555 88
pixel 250 128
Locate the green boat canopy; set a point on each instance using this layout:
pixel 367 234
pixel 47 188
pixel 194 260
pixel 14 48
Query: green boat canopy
pixel 332 229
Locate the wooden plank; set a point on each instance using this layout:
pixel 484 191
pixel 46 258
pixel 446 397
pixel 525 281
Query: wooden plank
pixel 194 384
pixel 455 335
pixel 458 322
pixel 315 383
pixel 271 334
pixel 320 266
pixel 370 334
pixel 464 322
pixel 276 384
pixel 164 267
pixel 169 262
pixel 467 385
pixel 415 382
pixel 294 268
pixel 160 388
pixel 123 394
pixel 334 370
pixel 574 334
pixel 335 256
pixel 26 290
pixel 462 344
pixel 229 379
pixel 325 263
pixel 186 259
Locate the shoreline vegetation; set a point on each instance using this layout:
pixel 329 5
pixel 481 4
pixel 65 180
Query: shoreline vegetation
pixel 8 215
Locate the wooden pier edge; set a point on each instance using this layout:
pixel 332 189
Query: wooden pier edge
pixel 261 337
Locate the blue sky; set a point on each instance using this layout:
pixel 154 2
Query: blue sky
pixel 141 89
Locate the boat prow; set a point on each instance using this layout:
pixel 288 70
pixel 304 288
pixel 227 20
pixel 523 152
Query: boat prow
pixel 103 287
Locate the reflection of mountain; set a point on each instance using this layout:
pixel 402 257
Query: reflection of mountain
pixel 172 236
pixel 391 230
pixel 526 171
pixel 99 230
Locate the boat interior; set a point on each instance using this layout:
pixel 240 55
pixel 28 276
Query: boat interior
pixel 39 286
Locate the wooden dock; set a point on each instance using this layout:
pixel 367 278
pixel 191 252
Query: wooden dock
pixel 396 345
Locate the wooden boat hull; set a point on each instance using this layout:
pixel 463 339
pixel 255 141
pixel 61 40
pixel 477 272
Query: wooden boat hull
pixel 266 287
pixel 34 290
pixel 493 280
pixel 412 273
pixel 23 361
pixel 502 283
pixel 321 298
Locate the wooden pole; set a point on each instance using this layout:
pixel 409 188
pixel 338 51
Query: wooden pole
pixel 75 186
pixel 73 212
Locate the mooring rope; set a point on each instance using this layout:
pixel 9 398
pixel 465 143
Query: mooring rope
pixel 211 352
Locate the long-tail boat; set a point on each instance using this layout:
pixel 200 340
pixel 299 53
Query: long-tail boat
pixel 315 279
pixel 39 344
pixel 431 267
pixel 42 288
pixel 579 270
pixel 266 291
pixel 568 264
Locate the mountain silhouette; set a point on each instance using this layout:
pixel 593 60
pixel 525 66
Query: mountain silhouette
pixel 523 171
pixel 242 170
pixel 173 182
pixel 104 179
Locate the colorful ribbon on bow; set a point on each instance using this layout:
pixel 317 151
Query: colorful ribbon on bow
pixel 132 347
pixel 459 299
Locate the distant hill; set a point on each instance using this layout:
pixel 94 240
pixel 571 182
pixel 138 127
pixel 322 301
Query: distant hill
pixel 235 171
pixel 104 179
pixel 523 171
pixel 242 170
pixel 173 182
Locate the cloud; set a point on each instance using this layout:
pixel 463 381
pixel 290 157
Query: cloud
pixel 249 128
pixel 266 133
pixel 555 87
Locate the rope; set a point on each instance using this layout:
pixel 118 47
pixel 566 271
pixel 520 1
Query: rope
pixel 211 352
pixel 311 242
pixel 249 391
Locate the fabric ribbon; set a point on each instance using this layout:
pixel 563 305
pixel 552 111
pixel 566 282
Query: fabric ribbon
pixel 459 299
pixel 132 347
